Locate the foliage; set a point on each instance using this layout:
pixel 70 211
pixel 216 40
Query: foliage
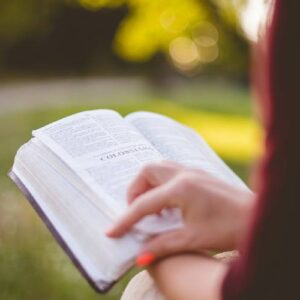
pixel 190 32
pixel 18 18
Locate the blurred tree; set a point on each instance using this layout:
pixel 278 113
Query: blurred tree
pixel 190 32
pixel 19 18
pixel 77 42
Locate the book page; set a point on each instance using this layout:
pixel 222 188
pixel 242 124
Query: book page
pixel 180 143
pixel 104 150
pixel 76 220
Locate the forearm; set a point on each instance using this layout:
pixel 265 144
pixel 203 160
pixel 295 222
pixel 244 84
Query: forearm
pixel 189 276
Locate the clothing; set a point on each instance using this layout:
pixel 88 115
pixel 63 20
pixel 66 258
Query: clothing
pixel 142 287
pixel 268 268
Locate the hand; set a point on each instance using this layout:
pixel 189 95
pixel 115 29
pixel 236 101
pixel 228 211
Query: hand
pixel 215 213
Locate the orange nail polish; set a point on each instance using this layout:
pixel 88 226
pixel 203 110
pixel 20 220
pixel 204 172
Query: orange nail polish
pixel 145 259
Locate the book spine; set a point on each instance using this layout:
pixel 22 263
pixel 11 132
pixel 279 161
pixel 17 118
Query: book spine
pixel 99 285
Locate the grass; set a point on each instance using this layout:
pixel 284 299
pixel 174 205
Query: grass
pixel 32 266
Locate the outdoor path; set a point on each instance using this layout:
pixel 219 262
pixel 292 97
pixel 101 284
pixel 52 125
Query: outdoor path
pixel 44 93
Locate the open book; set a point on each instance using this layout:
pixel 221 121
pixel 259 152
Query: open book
pixel 76 171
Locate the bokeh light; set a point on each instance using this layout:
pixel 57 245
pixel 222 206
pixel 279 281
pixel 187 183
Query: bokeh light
pixel 184 53
pixel 254 16
pixel 188 53
pixel 205 34
pixel 153 25
pixel 171 21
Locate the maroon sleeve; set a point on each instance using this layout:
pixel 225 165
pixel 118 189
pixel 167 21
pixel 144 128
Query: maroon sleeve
pixel 269 265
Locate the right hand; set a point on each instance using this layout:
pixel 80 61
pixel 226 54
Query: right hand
pixel 215 213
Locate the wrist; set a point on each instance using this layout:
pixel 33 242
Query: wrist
pixel 244 214
pixel 175 277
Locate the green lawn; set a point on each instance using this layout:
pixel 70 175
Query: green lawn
pixel 32 266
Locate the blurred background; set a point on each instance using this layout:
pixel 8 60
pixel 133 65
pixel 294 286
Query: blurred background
pixel 188 59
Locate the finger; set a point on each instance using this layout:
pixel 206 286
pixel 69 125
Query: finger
pixel 151 202
pixel 151 176
pixel 140 185
pixel 175 242
pixel 169 243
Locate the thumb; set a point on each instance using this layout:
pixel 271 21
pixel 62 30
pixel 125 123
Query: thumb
pixel 168 243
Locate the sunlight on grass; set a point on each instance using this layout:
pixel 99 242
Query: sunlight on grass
pixel 235 138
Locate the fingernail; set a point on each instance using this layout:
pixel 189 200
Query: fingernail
pixel 108 231
pixel 145 259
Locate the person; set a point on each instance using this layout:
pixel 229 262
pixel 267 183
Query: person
pixel 263 227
